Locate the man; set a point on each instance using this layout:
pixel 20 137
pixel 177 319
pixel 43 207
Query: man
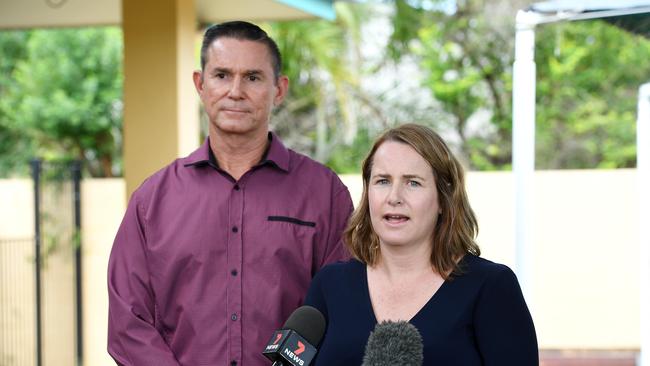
pixel 217 249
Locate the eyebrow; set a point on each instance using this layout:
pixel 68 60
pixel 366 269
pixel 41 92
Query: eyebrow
pixel 230 71
pixel 407 176
pixel 410 176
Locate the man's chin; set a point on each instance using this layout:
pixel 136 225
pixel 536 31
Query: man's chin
pixel 237 127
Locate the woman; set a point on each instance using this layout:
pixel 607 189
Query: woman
pixel 415 259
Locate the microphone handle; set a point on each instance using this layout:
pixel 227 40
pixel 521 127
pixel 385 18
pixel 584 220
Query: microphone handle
pixel 278 363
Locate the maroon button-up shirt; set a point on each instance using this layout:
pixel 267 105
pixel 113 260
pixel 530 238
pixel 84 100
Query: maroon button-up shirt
pixel 204 268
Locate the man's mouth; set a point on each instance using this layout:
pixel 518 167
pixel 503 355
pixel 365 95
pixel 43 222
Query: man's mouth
pixel 234 110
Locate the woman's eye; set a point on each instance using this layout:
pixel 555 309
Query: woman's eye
pixel 381 181
pixel 413 183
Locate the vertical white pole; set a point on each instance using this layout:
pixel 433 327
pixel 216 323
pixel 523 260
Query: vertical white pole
pixel 643 173
pixel 523 147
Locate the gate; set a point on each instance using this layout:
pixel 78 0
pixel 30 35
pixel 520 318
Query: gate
pixel 40 282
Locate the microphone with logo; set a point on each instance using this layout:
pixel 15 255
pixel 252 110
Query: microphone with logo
pixel 295 344
pixel 394 343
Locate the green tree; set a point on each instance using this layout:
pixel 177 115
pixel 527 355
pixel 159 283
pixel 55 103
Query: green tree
pixel 588 78
pixel 322 63
pixel 343 91
pixel 15 148
pixel 66 96
pixel 587 81
pixel 465 53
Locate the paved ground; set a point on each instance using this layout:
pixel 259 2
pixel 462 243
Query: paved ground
pixel 587 358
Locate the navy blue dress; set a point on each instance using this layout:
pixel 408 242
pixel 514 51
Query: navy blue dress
pixel 477 318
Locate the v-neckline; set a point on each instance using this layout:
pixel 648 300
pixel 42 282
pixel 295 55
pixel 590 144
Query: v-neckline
pixel 433 297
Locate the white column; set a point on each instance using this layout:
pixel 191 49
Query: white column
pixel 523 147
pixel 643 173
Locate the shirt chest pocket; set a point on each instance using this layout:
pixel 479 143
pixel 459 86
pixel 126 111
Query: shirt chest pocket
pixel 292 220
pixel 286 239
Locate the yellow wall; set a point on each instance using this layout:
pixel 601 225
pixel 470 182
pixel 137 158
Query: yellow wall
pixel 586 289
pixel 160 103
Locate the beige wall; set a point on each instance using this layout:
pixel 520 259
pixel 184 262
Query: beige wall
pixel 103 204
pixel 586 289
pixel 16 208
pixel 17 224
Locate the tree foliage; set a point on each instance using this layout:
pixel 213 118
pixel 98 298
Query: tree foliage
pixel 588 79
pixel 445 64
pixel 464 50
pixel 321 61
pixel 343 90
pixel 15 147
pixel 467 61
pixel 64 95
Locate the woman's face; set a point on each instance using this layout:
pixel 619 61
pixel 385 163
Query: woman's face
pixel 402 196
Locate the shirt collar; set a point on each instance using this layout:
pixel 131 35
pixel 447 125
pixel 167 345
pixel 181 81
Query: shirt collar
pixel 276 155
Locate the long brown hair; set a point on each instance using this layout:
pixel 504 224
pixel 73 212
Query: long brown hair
pixel 456 228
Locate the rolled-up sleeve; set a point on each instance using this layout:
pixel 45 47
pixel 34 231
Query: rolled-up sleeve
pixel 133 338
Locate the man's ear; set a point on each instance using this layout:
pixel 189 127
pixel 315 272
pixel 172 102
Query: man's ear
pixel 197 76
pixel 282 89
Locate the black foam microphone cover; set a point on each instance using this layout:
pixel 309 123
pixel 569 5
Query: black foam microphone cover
pixel 394 343
pixel 309 322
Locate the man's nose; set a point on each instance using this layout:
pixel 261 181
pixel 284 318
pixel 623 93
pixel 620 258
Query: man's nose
pixel 236 86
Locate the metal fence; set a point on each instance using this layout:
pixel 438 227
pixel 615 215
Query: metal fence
pixel 40 283
pixel 17 278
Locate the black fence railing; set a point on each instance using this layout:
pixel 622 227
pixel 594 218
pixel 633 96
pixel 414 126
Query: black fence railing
pixel 16 292
pixel 40 277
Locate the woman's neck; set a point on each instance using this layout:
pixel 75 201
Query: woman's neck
pixel 399 263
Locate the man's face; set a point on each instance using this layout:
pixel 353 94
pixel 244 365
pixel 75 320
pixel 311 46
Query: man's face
pixel 238 88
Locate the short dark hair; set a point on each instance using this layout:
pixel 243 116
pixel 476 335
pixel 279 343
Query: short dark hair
pixel 242 31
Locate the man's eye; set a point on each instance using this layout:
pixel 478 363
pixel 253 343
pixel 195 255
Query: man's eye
pixel 253 78
pixel 220 75
pixel 413 183
pixel 381 181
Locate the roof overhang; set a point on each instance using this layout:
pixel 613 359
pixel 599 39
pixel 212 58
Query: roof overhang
pixel 18 14
pixel 632 15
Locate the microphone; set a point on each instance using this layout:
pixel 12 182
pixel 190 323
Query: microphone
pixel 295 344
pixel 394 343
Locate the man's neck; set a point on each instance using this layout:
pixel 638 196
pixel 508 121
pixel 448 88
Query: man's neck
pixel 237 154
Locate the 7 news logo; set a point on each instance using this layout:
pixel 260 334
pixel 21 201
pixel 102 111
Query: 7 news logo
pixel 291 347
pixel 294 355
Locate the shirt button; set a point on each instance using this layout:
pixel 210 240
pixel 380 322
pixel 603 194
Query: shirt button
pixel 233 272
pixel 236 189
pixel 233 317
pixel 235 229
